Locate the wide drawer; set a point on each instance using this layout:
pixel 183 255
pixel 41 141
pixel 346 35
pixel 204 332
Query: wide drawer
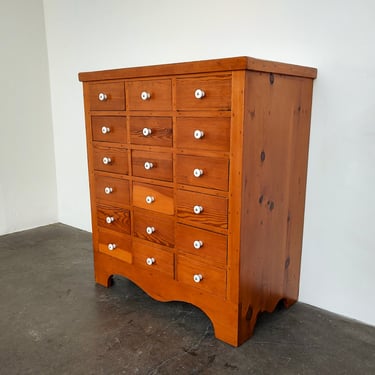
pixel 155 165
pixel 116 245
pixel 200 275
pixel 203 244
pixel 153 197
pixel 110 159
pixel 198 93
pixel 198 208
pixel 112 190
pixel 107 96
pixel 151 131
pixel 206 172
pixel 154 227
pixel 109 128
pixel 146 95
pixel 113 218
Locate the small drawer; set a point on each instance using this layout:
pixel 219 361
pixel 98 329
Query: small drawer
pixel 151 131
pixel 109 129
pixel 157 165
pixel 206 172
pixel 154 227
pixel 116 245
pixel 200 275
pixel 212 134
pixel 113 218
pixel 210 93
pixel 198 208
pixel 153 197
pixel 154 259
pixel 107 96
pixel 146 95
pixel 110 189
pixel 109 159
pixel 202 244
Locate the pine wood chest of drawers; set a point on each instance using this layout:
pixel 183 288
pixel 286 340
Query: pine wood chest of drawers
pixel 197 180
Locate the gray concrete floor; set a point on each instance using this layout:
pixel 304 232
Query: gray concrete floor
pixel 54 319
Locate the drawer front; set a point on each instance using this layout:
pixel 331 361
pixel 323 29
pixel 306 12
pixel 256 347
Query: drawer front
pixel 153 259
pixel 200 275
pixel 112 190
pixel 113 218
pixel 151 131
pixel 201 133
pixel 111 160
pixel 116 245
pixel 198 208
pixel 153 197
pixel 154 227
pixel 107 96
pixel 216 89
pixel 156 165
pixel 205 245
pixel 147 95
pixel 206 172
pixel 109 128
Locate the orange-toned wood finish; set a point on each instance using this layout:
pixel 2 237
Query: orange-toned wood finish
pixel 197 181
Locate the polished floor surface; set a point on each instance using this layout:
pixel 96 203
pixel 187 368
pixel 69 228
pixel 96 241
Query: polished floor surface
pixel 54 319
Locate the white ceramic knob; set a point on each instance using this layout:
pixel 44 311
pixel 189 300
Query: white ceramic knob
pixel 198 278
pixel 108 190
pixel 198 244
pixel 107 160
pixel 198 134
pixel 198 209
pixel 102 97
pixel 150 261
pixel 199 94
pixel 150 199
pixel 150 230
pixel 105 130
pixel 146 132
pixel 198 172
pixel 148 165
pixel 109 219
pixel 145 95
pixel 111 246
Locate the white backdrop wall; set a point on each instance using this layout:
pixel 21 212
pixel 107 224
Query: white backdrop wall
pixel 335 36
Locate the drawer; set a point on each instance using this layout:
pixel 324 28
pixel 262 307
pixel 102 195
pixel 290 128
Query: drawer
pixel 107 96
pixel 154 227
pixel 147 95
pixel 116 245
pixel 200 275
pixel 113 218
pixel 206 172
pixel 153 197
pixel 154 259
pixel 109 159
pixel 198 208
pixel 211 92
pixel 157 165
pixel 151 131
pixel 212 134
pixel 112 189
pixel 109 128
pixel 205 245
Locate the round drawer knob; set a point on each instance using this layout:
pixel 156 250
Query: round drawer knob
pixel 198 278
pixel 108 190
pixel 198 134
pixel 148 165
pixel 105 130
pixel 199 94
pixel 198 244
pixel 198 209
pixel 150 261
pixel 109 219
pixel 146 132
pixel 198 172
pixel 111 246
pixel 102 97
pixel 145 95
pixel 107 160
pixel 150 199
pixel 150 230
